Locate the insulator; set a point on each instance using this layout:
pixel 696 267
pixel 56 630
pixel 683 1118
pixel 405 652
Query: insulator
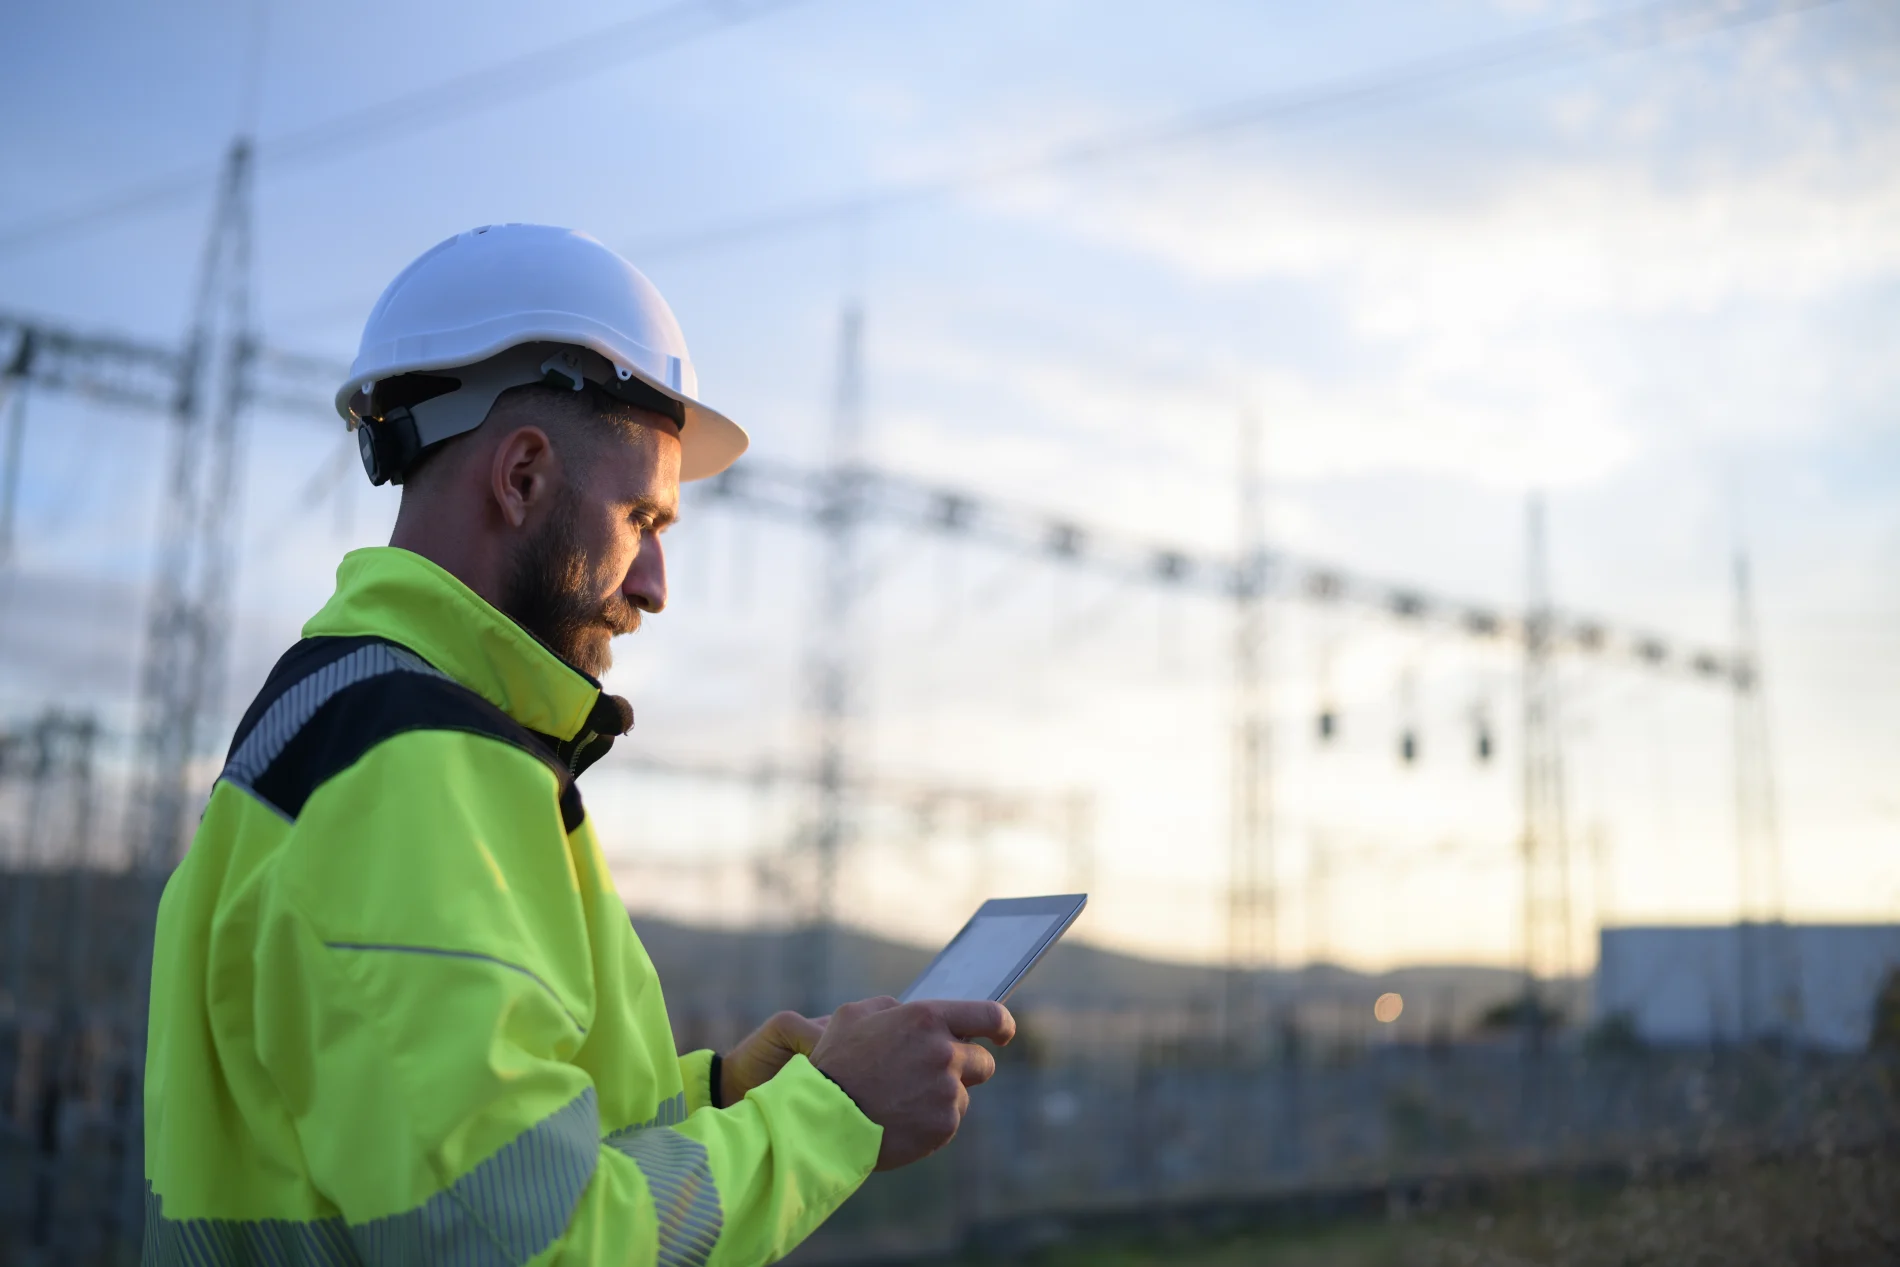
pixel 1484 744
pixel 1327 724
pixel 1408 747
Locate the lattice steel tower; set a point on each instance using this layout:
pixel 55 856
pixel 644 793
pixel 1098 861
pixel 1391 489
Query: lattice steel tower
pixel 181 681
pixel 1545 843
pixel 1769 988
pixel 834 660
pixel 1250 882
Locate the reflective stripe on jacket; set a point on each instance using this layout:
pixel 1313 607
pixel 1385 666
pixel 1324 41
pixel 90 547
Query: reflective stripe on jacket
pixel 399 1014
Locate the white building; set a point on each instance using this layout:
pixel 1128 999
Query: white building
pixel 1813 984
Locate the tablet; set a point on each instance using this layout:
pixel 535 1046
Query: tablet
pixel 997 948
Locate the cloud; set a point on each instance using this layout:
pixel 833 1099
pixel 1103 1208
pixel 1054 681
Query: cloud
pixel 1553 240
pixel 1529 412
pixel 1538 308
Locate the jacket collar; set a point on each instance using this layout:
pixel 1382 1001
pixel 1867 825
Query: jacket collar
pixel 396 594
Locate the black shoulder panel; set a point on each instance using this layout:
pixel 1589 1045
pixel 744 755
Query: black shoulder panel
pixel 291 668
pixel 330 700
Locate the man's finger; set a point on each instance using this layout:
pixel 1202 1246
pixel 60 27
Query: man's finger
pixel 975 1065
pixel 976 1019
pixel 800 1033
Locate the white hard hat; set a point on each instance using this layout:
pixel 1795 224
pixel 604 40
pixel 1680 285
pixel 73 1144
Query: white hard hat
pixel 510 304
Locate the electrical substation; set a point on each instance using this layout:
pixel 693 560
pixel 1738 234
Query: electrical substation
pixel 222 383
pixel 1345 704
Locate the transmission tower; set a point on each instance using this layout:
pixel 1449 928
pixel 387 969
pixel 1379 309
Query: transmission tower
pixel 833 664
pixel 181 680
pixel 1250 883
pixel 1768 989
pixel 1547 948
pixel 845 497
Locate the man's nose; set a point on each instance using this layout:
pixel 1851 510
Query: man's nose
pixel 645 585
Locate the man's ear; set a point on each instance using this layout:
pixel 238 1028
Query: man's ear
pixel 522 473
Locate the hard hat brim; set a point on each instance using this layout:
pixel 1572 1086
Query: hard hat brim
pixel 709 442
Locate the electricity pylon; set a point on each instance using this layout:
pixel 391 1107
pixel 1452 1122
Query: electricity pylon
pixel 186 629
pixel 1545 842
pixel 834 667
pixel 1250 883
pixel 1769 989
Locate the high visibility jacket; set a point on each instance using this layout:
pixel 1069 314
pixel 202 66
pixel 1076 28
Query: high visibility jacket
pixel 399 1014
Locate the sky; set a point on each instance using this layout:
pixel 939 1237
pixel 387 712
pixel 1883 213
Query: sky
pixel 1656 286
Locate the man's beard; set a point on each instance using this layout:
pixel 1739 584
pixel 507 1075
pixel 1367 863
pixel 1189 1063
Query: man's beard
pixel 548 594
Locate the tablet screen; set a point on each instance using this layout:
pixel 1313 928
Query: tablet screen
pixel 994 949
pixel 986 954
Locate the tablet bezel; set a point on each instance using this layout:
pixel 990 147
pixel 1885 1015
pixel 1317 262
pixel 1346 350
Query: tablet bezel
pixel 1066 905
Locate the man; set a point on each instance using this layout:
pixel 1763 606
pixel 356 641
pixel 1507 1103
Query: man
pixel 399 1014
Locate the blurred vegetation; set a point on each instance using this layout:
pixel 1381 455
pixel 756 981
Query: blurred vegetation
pixel 1514 1014
pixel 1884 1036
pixel 1818 1210
pixel 1614 1035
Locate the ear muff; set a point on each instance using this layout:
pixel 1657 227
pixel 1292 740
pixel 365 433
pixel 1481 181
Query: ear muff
pixel 389 446
pixel 389 436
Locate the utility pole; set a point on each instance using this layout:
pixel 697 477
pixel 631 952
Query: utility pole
pixel 1250 882
pixel 1547 948
pixel 1769 990
pixel 833 665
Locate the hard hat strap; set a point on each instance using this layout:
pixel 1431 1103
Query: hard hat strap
pixel 392 440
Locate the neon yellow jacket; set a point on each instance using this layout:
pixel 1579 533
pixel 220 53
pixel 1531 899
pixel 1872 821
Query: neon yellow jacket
pixel 399 1014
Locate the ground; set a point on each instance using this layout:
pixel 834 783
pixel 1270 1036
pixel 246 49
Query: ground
pixel 1815 1210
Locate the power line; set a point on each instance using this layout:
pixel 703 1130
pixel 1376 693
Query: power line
pixel 1053 812
pixel 1408 83
pixel 461 95
pixel 1651 26
pixel 781 490
pixel 839 499
pixel 130 372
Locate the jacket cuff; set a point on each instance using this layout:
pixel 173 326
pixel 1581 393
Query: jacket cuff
pixel 697 1070
pixel 804 1105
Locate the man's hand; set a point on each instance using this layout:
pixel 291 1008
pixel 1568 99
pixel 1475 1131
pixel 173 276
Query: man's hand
pixel 764 1051
pixel 909 1066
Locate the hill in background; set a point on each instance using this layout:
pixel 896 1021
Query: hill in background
pixel 719 981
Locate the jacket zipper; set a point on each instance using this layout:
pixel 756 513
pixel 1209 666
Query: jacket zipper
pixel 574 754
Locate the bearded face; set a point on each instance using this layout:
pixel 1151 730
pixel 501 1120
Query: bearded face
pixel 563 597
